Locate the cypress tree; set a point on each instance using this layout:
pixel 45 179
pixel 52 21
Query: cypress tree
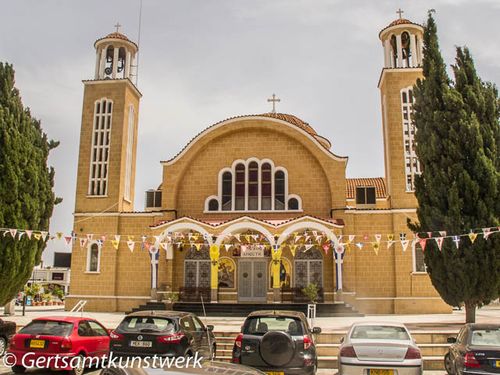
pixel 457 141
pixel 26 183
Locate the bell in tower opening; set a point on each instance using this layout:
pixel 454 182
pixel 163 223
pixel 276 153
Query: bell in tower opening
pixel 115 57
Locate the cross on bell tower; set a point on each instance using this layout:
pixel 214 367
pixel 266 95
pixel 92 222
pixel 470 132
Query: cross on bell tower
pixel 274 100
pixel 400 12
pixel 118 27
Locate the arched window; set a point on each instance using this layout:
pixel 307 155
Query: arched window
pixel 279 190
pixel 394 49
pixel 253 186
pixel 227 191
pixel 405 47
pixel 418 259
pixel 266 175
pixel 213 205
pixel 293 204
pixel 93 258
pixel 239 202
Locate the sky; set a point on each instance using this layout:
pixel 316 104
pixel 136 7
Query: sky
pixel 202 61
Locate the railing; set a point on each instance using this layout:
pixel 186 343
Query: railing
pixel 194 294
pixel 79 306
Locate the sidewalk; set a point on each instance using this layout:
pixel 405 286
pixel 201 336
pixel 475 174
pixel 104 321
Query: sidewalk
pixel 426 322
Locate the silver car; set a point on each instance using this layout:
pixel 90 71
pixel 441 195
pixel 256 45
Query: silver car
pixel 379 349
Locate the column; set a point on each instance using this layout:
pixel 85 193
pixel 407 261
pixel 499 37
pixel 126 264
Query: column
pixel 102 64
pixel 275 270
pixel 420 49
pixel 387 53
pixel 214 272
pixel 127 65
pixel 339 253
pixel 97 63
pixel 400 51
pixel 115 61
pixel 413 50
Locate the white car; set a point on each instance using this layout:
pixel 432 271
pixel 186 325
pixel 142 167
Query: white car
pixel 379 349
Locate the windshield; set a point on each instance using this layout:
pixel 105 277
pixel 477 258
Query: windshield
pixel 147 324
pixel 486 337
pixel 380 333
pixel 48 328
pixel 259 325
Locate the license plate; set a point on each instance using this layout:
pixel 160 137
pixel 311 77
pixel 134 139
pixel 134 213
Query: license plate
pixel 497 364
pixel 380 372
pixel 275 373
pixel 38 344
pixel 141 344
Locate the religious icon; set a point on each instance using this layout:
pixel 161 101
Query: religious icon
pixel 226 273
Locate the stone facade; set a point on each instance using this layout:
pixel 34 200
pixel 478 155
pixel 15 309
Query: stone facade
pixel 383 281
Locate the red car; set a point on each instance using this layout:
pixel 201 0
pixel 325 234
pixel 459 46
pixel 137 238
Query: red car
pixel 59 343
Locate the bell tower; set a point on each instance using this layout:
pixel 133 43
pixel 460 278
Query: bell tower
pixel 108 135
pixel 402 42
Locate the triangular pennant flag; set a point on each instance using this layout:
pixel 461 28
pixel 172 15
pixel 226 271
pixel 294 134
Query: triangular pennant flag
pixel 99 243
pixel 83 242
pixel 378 237
pixel 429 234
pixel 157 239
pixel 439 241
pixel 325 247
pixel 456 239
pixel 131 245
pixel 197 246
pixel 20 235
pixel 44 235
pixel 402 237
pixel 423 242
pixel 115 244
pixel 13 232
pixel 293 249
pixel 366 237
pixel 351 237
pixel 472 237
pixel 130 238
pixel 59 235
pixel 486 233
pixel 90 236
pixel 404 244
pixel 227 246
pixel 297 238
pixel 37 236
pixel 359 245
pixel 164 245
pixel 5 233
pixel 442 233
pixel 376 247
pixel 103 238
pixel 29 233
pixel 308 246
pixel 68 239
pixel 237 236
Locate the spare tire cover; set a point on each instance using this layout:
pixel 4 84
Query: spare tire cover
pixel 277 348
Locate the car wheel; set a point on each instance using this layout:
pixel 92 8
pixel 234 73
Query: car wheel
pixel 448 364
pixel 78 370
pixel 18 369
pixel 3 346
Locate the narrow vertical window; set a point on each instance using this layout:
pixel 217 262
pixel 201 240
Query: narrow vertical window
pixel 266 189
pixel 279 190
pixel 227 191
pixel 130 146
pixel 253 186
pixel 239 203
pixel 99 156
pixel 412 165
pixel 93 258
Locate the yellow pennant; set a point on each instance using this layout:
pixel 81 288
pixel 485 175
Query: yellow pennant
pixel 115 244
pixel 130 238
pixel 293 250
pixel 376 247
pixel 37 235
pixel 59 235
pixel 472 237
pixel 198 246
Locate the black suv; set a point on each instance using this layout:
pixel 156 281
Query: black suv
pixel 164 333
pixel 277 342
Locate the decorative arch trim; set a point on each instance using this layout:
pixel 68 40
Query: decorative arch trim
pixel 242 226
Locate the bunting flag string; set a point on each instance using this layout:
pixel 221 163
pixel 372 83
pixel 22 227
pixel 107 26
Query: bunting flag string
pixel 298 240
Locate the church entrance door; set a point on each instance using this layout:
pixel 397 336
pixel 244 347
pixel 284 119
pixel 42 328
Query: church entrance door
pixel 252 280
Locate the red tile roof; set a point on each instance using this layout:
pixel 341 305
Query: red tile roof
pixel 116 35
pixel 292 120
pixel 377 182
pixel 399 21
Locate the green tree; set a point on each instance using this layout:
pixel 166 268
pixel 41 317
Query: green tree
pixel 457 135
pixel 26 183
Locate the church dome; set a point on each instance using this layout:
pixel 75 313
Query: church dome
pixel 294 120
pixel 399 22
pixel 115 35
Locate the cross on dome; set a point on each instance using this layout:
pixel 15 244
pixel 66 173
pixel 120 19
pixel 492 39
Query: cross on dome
pixel 274 100
pixel 118 27
pixel 400 12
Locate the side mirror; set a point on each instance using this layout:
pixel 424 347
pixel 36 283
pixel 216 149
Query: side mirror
pixel 451 340
pixel 342 340
pixel 210 327
pixel 316 330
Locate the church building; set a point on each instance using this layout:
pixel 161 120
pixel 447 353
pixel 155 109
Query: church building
pixel 253 222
